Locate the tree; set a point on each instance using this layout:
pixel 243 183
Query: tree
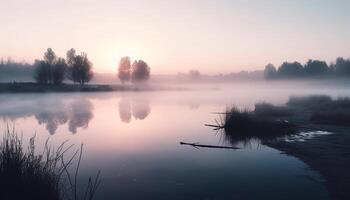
pixel 71 72
pixel 124 69
pixel 70 56
pixel 51 70
pixel 50 56
pixel 140 71
pixel 50 59
pixel 82 69
pixel 42 72
pixel 79 67
pixel 316 68
pixel 58 71
pixel 270 71
pixel 342 66
pixel 294 70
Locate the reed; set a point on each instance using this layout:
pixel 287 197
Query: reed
pixel 26 174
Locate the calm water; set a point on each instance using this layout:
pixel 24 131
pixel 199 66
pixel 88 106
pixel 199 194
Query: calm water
pixel 133 138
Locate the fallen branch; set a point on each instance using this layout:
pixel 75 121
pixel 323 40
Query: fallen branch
pixel 196 145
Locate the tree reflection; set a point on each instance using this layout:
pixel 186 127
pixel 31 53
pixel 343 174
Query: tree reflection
pixel 139 109
pixel 80 115
pixel 51 113
pixel 52 119
pixel 125 110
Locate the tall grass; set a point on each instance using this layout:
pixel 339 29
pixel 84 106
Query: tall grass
pixel 25 174
pixel 265 122
pixel 246 123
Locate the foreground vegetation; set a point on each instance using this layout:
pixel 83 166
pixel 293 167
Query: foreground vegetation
pixel 25 174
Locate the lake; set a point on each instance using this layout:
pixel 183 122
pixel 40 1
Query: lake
pixel 133 138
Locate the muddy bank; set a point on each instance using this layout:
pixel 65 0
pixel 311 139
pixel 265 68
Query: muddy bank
pixel 327 154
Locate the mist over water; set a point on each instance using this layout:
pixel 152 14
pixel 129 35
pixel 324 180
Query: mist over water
pixel 133 137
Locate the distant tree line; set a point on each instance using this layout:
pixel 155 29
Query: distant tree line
pixel 138 72
pixel 313 68
pixel 54 70
pixel 11 70
pixel 194 74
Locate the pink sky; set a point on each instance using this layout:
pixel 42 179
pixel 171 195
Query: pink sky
pixel 175 36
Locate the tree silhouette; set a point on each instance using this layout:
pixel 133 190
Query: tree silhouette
pixel 124 69
pixel 316 68
pixel 287 69
pixel 79 67
pixel 58 71
pixel 50 56
pixel 51 69
pixel 42 72
pixel 270 71
pixel 342 67
pixel 140 71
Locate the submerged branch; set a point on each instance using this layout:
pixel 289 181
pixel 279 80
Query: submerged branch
pixel 208 146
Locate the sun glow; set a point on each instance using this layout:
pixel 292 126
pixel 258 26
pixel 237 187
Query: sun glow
pixel 110 57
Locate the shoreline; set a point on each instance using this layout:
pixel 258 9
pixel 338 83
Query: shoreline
pixel 30 87
pixel 327 154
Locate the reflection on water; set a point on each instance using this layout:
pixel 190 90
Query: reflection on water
pixel 80 115
pixel 52 113
pixel 52 116
pixel 125 110
pixel 138 108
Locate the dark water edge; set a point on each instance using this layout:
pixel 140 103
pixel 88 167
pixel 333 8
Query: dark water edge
pixel 29 87
pixel 327 154
pixel 40 88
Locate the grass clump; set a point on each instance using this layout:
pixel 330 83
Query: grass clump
pixel 25 174
pixel 244 124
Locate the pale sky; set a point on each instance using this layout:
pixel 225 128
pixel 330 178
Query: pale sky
pixel 178 35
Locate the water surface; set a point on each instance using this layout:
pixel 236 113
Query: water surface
pixel 133 138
